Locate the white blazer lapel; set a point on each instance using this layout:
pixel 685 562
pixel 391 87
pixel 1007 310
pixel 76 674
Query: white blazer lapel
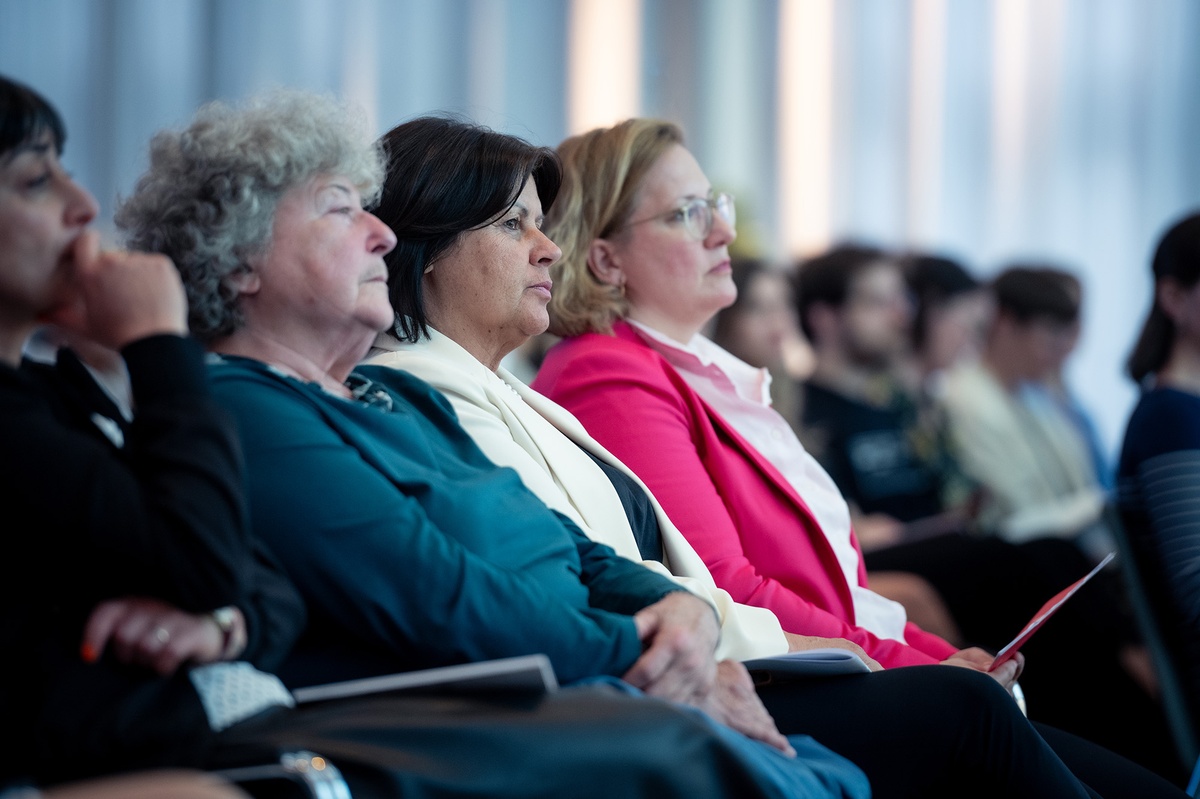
pixel 581 480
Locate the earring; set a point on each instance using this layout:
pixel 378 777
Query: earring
pixel 428 269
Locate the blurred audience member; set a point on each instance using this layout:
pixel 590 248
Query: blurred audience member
pixel 952 309
pixel 760 327
pixel 1158 478
pixel 1053 388
pixel 884 442
pixel 1031 458
pixel 860 419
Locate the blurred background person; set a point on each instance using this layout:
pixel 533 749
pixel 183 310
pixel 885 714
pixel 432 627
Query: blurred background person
pixel 860 419
pixel 883 440
pixel 1159 473
pixel 1034 464
pixel 951 312
pixel 761 328
pixel 1053 387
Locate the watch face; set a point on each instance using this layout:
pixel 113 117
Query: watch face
pixel 224 617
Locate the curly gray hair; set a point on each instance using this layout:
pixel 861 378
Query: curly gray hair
pixel 208 199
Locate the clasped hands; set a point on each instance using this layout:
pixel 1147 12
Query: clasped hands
pixel 679 634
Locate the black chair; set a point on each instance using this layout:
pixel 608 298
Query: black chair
pixel 1175 701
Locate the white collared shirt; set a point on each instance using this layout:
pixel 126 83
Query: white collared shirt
pixel 741 394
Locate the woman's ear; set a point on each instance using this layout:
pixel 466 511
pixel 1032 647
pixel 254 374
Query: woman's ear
pixel 603 263
pixel 246 280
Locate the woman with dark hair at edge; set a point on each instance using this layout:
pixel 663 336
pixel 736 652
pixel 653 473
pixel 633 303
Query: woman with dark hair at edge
pixel 1158 473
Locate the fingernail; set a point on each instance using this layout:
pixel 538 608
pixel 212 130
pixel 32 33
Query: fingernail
pixel 88 653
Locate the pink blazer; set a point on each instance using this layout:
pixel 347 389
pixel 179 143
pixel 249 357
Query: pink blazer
pixel 753 531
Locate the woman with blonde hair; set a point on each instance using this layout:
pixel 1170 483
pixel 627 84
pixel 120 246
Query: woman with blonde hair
pixel 645 266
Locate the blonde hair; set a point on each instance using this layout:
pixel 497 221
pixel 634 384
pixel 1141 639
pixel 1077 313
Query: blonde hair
pixel 603 172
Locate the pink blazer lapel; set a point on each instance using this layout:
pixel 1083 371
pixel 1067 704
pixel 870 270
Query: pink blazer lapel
pixel 771 474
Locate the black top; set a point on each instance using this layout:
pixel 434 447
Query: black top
pixel 638 510
pixel 161 516
pixel 1160 507
pixel 881 458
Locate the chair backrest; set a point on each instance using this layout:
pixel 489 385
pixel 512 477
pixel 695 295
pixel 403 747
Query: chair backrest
pixel 1174 696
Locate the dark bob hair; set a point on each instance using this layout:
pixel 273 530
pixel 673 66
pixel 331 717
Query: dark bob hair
pixel 1177 258
pixel 446 176
pixel 24 116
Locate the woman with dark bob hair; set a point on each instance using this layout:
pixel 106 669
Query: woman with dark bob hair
pixel 480 294
pixel 410 548
pixel 1158 476
pixel 462 308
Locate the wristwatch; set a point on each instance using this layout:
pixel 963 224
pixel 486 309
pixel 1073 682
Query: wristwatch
pixel 226 619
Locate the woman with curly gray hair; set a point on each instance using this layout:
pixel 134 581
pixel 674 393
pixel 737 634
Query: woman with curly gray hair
pixel 212 191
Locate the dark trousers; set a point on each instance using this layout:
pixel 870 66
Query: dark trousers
pixel 1073 677
pixel 943 731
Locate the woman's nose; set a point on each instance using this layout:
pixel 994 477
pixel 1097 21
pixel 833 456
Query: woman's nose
pixel 547 252
pixel 82 207
pixel 383 239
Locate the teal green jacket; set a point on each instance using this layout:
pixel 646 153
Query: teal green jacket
pixel 410 547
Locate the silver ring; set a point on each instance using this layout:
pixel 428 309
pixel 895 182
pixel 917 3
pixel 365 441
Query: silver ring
pixel 162 635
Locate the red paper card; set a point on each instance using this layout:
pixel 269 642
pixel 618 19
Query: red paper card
pixel 1043 615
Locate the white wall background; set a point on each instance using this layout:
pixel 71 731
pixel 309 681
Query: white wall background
pixel 1063 130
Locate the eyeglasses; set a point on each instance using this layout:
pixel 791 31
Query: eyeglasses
pixel 696 215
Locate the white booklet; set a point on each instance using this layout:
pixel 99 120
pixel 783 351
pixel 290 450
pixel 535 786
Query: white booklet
pixel 524 674
pixel 810 662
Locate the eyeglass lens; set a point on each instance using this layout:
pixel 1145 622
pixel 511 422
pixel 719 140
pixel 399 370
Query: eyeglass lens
pixel 698 216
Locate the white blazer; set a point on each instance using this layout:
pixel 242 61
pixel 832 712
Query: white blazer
pixel 519 428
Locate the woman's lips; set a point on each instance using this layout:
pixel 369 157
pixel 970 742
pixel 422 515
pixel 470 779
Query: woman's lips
pixel 543 288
